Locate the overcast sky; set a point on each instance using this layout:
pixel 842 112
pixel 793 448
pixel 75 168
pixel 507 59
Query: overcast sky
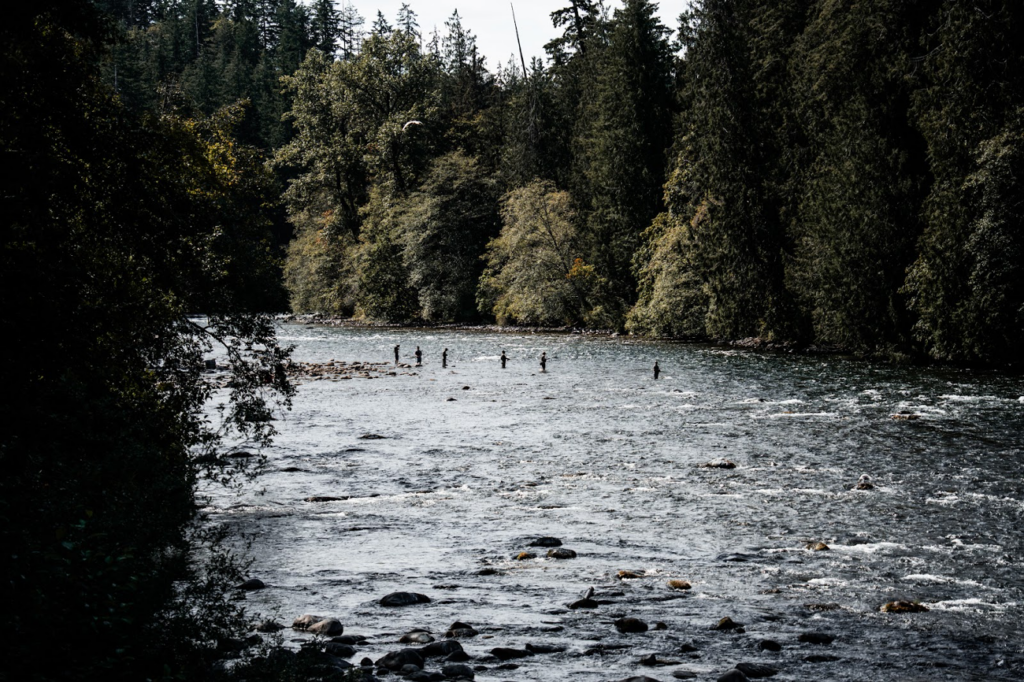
pixel 491 21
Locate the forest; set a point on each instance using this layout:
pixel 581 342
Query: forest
pixel 805 172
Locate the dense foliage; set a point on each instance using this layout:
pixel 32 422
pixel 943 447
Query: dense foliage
pixel 808 171
pixel 117 228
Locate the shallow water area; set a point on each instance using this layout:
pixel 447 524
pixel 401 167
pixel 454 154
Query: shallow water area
pixel 476 462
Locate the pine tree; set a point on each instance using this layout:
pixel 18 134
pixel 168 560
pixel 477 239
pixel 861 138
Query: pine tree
pixel 325 27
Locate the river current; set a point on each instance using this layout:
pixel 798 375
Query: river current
pixel 597 453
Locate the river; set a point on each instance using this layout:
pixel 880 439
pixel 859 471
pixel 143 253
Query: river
pixel 476 462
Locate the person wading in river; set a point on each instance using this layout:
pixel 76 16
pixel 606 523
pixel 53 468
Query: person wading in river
pixel 419 357
pixel 396 355
pixel 543 362
pixel 503 359
pixel 657 370
pixel 444 358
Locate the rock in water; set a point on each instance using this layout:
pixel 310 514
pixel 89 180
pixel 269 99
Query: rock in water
pixel 769 645
pixel 756 670
pixel 546 542
pixel 683 675
pixel 639 678
pixel 727 623
pixel 252 584
pixel 629 575
pixel 561 553
pixel 679 585
pixel 525 556
pixel 583 604
pixel 544 649
pixel 457 670
pixel 340 650
pixel 395 660
pixel 404 599
pixel 305 621
pixel 817 546
pixel 328 627
pixel 720 464
pixel 816 638
pixel 903 607
pixel 439 649
pixel 733 675
pixel 630 625
pixel 505 654
pixel 416 637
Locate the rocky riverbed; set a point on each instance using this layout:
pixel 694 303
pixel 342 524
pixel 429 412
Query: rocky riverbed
pixel 745 516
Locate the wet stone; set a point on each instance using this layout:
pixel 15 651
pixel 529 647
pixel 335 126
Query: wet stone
pixel 507 654
pixel 820 658
pixel 583 604
pixel 366 662
pixel 269 626
pixel 756 670
pixel 252 584
pixel 630 625
pixel 458 670
pixel 340 650
pixel 816 638
pixel 629 575
pixel 639 678
pixel 817 547
pixel 328 627
pixel 683 675
pixel 544 649
pixel 903 607
pixel 733 675
pixel 769 645
pixel 679 585
pixel 305 621
pixel 349 639
pixel 440 649
pixel 525 556
pixel 404 599
pixel 396 659
pixel 546 541
pixel 561 553
pixel 726 624
pixel 822 607
pixel 719 464
pixel 416 637
pixel 458 657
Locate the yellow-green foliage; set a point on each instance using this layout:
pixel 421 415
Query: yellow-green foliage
pixel 535 273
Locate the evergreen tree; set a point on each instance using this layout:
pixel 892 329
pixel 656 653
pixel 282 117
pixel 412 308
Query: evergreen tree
pixel 325 27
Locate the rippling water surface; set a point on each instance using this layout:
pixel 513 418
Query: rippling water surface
pixel 598 454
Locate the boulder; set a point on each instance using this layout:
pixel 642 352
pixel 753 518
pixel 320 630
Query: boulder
pixel 439 649
pixel 416 637
pixel 630 625
pixel 506 654
pixel 561 553
pixel 305 621
pixel 329 627
pixel 404 599
pixel 457 657
pixel 733 675
pixel 409 669
pixel 457 670
pixel 679 585
pixel 252 584
pixel 769 645
pixel 903 607
pixel 340 650
pixel 816 638
pixel 546 542
pixel 396 659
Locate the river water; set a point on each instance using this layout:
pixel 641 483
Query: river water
pixel 598 454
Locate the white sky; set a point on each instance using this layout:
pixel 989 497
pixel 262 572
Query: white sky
pixel 491 21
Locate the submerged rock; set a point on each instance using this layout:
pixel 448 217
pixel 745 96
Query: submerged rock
pixel 404 599
pixel 756 670
pixel 630 625
pixel 252 584
pixel 507 654
pixel 816 638
pixel 769 645
pixel 546 542
pixel 900 606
